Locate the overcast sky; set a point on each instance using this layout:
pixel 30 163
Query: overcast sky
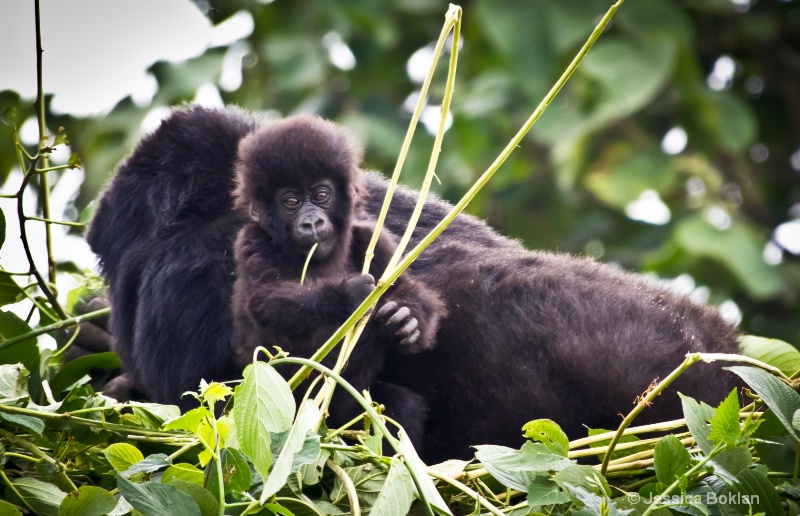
pixel 96 52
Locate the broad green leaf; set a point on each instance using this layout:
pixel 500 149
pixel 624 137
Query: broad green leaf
pixel 725 422
pixel 624 172
pixel 264 404
pixel 76 369
pixel 10 291
pixel 544 491
pixel 235 468
pixel 368 480
pixel 209 506
pixel 6 509
pixel 583 476
pixel 13 381
pixel 593 505
pixel 397 493
pixel 431 494
pixel 88 501
pixel 763 496
pixel 548 433
pixel 699 238
pixel 182 471
pixel 149 464
pixel 34 424
pixel 122 456
pixel 312 473
pixel 670 458
pixel 25 351
pixel 517 468
pixel 155 414
pixel 190 421
pixel 779 397
pixel 157 499
pixel 774 352
pixel 43 497
pixel 307 419
pixel 727 463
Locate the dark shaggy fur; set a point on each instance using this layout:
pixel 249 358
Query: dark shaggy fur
pixel 293 158
pixel 527 335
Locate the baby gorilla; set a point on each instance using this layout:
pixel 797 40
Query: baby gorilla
pixel 299 183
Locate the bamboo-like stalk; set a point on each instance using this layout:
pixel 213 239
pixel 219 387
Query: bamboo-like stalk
pixel 412 255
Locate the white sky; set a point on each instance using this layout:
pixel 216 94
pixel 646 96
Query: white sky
pixel 96 52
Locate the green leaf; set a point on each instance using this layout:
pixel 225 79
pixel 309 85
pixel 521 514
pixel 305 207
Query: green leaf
pixel 190 421
pixel 583 476
pixel 74 161
pixel 774 352
pixel 149 464
pixel 517 468
pixel 2 228
pixel 157 499
pixel 307 419
pixel 413 461
pixel 6 509
pixel 13 381
pixel 25 351
pixel 544 491
pixel 778 396
pixel 368 480
pixel 215 392
pixel 76 369
pixel 10 291
pixel 209 506
pixel 728 463
pixel 548 433
pixel 155 414
pixel 670 458
pixel 88 501
pixel 122 456
pixel 725 422
pixel 183 471
pixel 762 494
pixel 264 404
pixel 397 493
pixel 43 497
pixel 699 238
pixel 235 471
pixel 34 424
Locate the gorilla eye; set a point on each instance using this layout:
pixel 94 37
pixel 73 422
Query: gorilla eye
pixel 321 195
pixel 291 201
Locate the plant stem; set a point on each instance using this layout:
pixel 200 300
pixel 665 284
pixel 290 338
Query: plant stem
pixel 350 489
pixel 697 467
pixel 690 360
pixel 59 222
pixel 412 255
pixel 55 326
pixel 45 181
pixel 374 416
pixel 13 488
pixel 34 450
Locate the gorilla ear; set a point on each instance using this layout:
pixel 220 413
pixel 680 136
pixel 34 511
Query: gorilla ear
pixel 253 212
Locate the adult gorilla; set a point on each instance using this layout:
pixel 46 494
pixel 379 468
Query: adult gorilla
pixel 527 335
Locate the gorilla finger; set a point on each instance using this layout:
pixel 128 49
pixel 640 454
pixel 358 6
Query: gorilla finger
pixel 411 339
pixel 408 328
pixel 399 316
pixel 386 310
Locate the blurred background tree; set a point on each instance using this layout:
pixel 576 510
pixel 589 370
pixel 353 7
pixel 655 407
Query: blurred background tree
pixel 674 150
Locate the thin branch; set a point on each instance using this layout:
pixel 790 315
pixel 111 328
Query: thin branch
pixel 59 222
pixel 55 326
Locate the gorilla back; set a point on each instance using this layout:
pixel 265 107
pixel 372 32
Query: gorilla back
pixel 528 334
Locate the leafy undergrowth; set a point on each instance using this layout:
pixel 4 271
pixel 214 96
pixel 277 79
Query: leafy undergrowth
pixel 265 454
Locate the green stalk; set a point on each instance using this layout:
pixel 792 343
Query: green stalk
pixel 690 360
pixel 412 255
pixel 64 323
pixel 697 467
pixel 45 181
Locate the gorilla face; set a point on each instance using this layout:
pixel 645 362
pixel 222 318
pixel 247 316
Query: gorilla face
pixel 306 213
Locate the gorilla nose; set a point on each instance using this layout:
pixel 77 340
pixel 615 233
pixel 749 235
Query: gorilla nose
pixel 316 227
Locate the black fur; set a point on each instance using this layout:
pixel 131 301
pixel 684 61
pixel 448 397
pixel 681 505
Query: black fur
pixel 528 334
pixel 295 160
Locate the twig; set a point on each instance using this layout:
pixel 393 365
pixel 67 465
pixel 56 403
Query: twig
pixel 349 488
